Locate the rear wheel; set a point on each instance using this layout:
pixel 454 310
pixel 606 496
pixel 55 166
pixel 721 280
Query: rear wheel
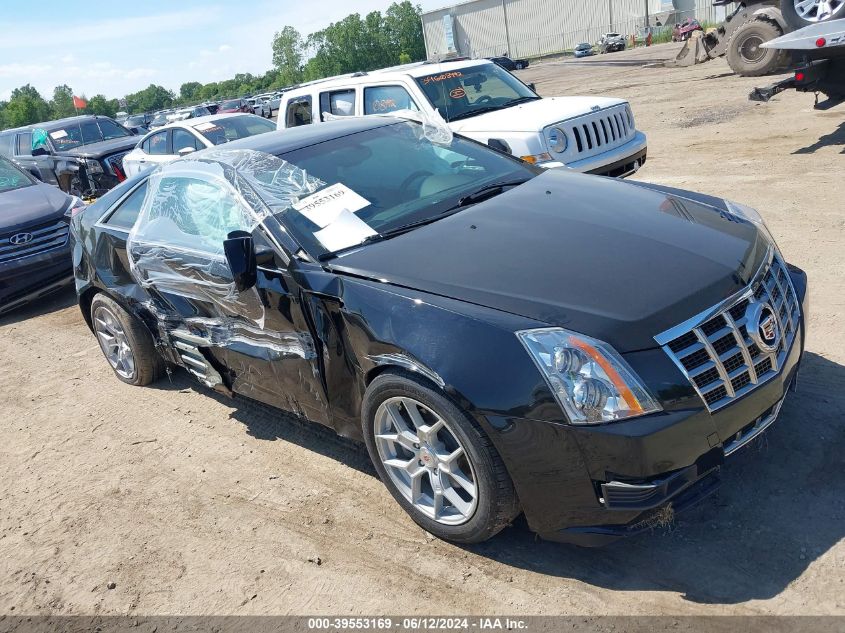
pixel 438 465
pixel 745 54
pixel 125 342
pixel 801 13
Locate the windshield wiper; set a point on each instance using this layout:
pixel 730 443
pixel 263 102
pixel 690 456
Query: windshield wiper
pixel 514 102
pixel 488 191
pixel 464 115
pixel 386 235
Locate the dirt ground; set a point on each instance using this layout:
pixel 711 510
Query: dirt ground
pixel 191 503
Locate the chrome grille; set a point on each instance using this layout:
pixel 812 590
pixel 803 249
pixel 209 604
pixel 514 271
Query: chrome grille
pixel 599 132
pixel 42 238
pixel 714 350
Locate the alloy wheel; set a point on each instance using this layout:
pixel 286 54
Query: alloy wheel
pixel 114 343
pixel 819 10
pixel 425 461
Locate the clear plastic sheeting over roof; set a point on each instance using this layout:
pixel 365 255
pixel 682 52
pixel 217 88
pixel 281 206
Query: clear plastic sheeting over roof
pixel 191 206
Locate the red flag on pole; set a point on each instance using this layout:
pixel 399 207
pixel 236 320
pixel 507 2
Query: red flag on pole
pixel 79 103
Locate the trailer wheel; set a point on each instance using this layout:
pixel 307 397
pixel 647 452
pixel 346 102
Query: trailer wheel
pixel 800 13
pixel 745 54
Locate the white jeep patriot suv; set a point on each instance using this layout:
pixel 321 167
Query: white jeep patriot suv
pixel 482 101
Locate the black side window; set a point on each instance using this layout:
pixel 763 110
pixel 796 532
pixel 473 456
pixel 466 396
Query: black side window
pixel 125 215
pixel 24 144
pixel 299 112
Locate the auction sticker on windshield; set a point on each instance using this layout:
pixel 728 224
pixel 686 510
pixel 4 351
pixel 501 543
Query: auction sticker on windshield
pixel 346 229
pixel 323 207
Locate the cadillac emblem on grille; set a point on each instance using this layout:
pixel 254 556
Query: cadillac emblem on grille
pixel 19 239
pixel 763 326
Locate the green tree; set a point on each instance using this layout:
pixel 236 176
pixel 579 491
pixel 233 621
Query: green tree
pixel 190 91
pixel 150 98
pixel 98 104
pixel 61 105
pixel 355 44
pixel 26 106
pixel 208 91
pixel 288 52
pixel 404 25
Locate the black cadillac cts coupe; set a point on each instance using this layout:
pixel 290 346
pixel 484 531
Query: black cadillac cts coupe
pixel 504 339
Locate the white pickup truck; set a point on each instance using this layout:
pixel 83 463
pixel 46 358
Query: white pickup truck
pixel 484 102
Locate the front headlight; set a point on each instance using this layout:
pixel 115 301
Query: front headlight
pixel 92 166
pixel 75 207
pixel 749 214
pixel 590 380
pixel 558 140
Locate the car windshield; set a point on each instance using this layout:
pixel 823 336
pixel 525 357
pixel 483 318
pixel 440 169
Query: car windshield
pixel 135 120
pixel 85 133
pixel 12 178
pixel 230 105
pixel 384 179
pixel 462 93
pixel 223 130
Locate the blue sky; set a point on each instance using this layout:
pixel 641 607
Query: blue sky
pixel 118 47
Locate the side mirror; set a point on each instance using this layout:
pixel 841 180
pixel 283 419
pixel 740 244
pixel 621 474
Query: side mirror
pixel 240 255
pixel 186 150
pixel 499 145
pixel 40 151
pixel 532 87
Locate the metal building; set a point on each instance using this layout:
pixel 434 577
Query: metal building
pixel 533 28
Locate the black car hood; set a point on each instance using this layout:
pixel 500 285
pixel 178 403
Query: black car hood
pixel 103 148
pixel 613 260
pixel 24 207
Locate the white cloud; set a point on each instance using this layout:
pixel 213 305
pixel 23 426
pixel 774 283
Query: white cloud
pixel 168 48
pixel 89 31
pixel 23 70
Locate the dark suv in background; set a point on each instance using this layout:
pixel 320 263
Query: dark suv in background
pixel 81 155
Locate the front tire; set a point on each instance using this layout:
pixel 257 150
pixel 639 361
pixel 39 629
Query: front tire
pixel 436 462
pixel 125 342
pixel 745 55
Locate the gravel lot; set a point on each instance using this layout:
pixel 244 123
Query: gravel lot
pixel 191 503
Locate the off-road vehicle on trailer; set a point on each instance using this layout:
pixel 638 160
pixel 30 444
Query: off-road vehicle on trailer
pixel 81 155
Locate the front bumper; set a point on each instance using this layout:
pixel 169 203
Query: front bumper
pixel 29 278
pixel 592 485
pixel 619 162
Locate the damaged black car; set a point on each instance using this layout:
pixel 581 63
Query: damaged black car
pixel 503 339
pixel 82 155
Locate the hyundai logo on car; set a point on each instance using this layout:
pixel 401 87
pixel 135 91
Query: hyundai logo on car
pixel 19 239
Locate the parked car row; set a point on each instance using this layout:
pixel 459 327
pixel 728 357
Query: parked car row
pixel 184 137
